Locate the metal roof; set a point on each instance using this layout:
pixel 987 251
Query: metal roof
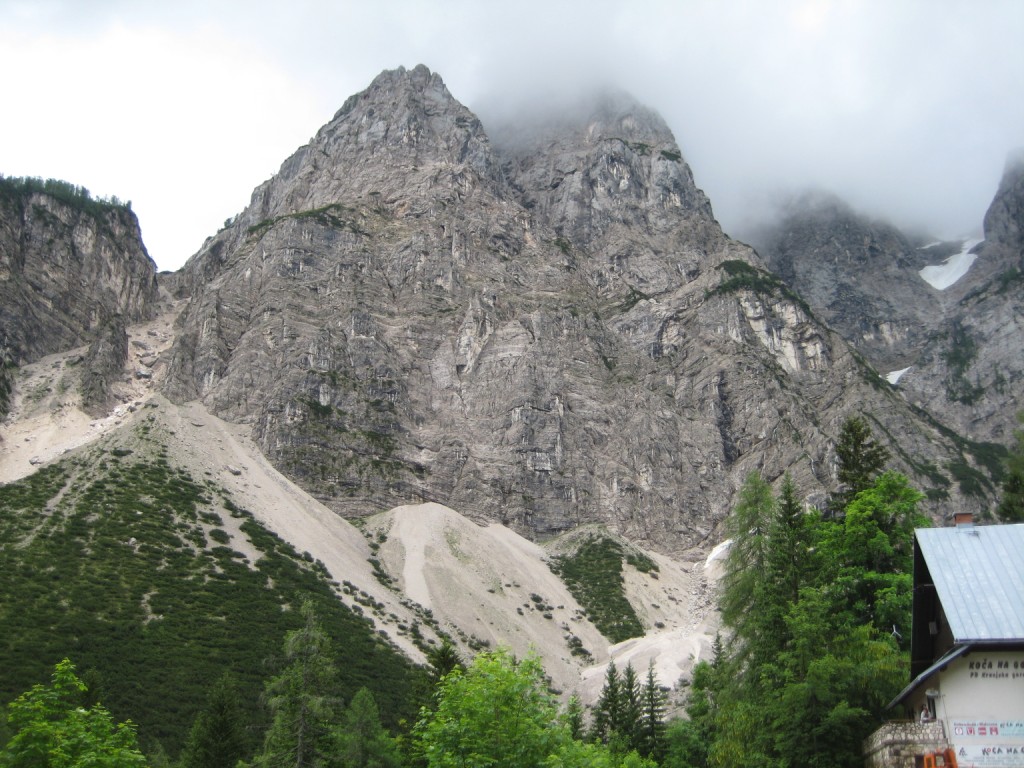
pixel 954 653
pixel 978 572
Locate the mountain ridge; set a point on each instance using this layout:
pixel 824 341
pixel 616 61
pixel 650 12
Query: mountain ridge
pixel 404 338
pixel 440 367
pixel 954 342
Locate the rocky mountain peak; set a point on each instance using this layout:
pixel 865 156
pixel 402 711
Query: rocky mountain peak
pixel 548 333
pixel 403 136
pixel 1004 220
pixel 608 177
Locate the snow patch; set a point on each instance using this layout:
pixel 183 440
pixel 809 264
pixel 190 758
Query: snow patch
pixel 893 377
pixel 941 276
pixel 930 245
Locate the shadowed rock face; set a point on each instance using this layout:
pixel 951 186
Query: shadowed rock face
pixel 65 270
pixel 860 276
pixel 70 271
pixel 961 344
pixel 1004 220
pixel 547 332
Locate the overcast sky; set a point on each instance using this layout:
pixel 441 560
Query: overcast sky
pixel 906 108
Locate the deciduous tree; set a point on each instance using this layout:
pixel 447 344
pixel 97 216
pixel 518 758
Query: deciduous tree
pixel 52 728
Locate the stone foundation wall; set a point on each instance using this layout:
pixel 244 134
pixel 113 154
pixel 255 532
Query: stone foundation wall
pixel 896 743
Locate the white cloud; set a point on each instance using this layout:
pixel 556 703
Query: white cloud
pixel 184 125
pixel 906 109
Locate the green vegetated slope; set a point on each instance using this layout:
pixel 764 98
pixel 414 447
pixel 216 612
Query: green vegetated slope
pixel 124 563
pixel 593 574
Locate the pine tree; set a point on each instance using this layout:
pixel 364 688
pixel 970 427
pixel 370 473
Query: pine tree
pixel 629 724
pixel 362 741
pixel 217 736
pixel 788 561
pixel 743 581
pixel 443 659
pixel 300 700
pixel 573 718
pixel 861 460
pixel 608 711
pixel 651 741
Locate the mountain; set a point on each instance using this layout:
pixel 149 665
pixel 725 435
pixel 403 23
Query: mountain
pixel 545 332
pixel 166 550
pixel 499 386
pixel 73 271
pixel 859 275
pixel 943 318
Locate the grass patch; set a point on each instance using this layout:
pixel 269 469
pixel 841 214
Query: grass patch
pixel 333 216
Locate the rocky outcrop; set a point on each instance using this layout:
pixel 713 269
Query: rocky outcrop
pixel 69 265
pixel 971 373
pixel 545 332
pixel 860 276
pixel 1004 220
pixel 958 346
pixel 103 365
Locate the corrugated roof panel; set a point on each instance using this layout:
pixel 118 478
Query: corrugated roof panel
pixel 979 576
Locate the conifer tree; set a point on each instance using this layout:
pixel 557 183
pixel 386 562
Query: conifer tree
pixel 217 738
pixel 573 718
pixel 861 460
pixel 743 582
pixel 443 659
pixel 300 700
pixel 608 711
pixel 629 724
pixel 651 741
pixel 362 742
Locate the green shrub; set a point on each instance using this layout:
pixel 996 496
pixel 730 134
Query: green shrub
pixel 593 575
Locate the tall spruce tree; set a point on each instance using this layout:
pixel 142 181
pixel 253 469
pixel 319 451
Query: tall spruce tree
pixel 362 742
pixel 629 723
pixel 743 582
pixel 861 460
pixel 651 736
pixel 608 710
pixel 300 700
pixel 217 737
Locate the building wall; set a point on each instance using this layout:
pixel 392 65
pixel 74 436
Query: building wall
pixel 981 705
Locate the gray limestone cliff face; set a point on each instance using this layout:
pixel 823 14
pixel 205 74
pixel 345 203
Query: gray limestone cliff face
pixel 971 373
pixel 960 346
pixel 68 269
pixel 613 185
pixel 1004 219
pixel 860 276
pixel 544 334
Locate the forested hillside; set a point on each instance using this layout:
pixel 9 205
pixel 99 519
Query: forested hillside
pixel 164 615
pixel 154 583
